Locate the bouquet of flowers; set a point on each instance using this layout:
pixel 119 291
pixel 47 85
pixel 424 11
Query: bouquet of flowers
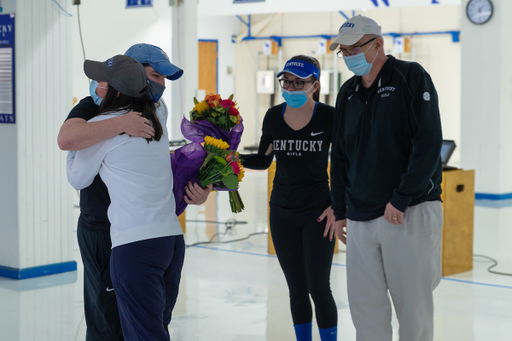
pixel 224 169
pixel 215 125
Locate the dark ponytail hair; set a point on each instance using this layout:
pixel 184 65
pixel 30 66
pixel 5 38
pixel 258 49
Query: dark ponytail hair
pixel 314 61
pixel 116 101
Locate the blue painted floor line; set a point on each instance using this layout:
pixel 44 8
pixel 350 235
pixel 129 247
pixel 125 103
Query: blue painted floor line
pixel 477 283
pixel 344 265
pixel 234 251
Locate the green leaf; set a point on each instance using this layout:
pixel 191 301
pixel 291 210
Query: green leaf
pixel 196 101
pixel 222 119
pixel 231 97
pixel 230 181
pixel 211 120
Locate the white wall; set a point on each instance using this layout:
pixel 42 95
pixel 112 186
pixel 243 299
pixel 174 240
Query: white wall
pixel 109 28
pixel 436 53
pixel 487 101
pixel 184 51
pixel 38 230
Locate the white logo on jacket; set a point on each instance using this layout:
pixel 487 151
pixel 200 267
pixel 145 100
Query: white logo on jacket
pixel 426 96
pixel 386 88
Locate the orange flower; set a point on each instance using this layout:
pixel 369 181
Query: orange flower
pixel 213 100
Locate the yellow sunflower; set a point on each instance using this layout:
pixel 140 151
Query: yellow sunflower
pixel 242 172
pixel 213 142
pixel 201 107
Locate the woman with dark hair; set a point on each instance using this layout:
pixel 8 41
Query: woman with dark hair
pixel 298 133
pixel 147 240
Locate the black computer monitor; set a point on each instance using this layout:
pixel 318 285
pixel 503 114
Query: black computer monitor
pixel 447 151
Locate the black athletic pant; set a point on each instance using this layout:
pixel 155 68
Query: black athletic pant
pixel 101 313
pixel 305 257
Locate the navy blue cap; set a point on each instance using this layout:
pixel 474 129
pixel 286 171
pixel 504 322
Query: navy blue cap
pixel 300 68
pixel 156 58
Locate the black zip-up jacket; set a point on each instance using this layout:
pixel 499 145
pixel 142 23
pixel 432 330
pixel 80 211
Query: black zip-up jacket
pixel 386 143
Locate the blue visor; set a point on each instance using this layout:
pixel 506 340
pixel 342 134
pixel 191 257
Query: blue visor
pixel 300 68
pixel 156 58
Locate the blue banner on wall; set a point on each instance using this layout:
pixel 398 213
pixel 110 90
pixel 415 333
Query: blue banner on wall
pixel 139 3
pixel 7 69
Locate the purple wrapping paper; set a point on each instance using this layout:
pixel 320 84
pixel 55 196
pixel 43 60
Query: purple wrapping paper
pixel 187 160
pixel 196 132
pixel 185 163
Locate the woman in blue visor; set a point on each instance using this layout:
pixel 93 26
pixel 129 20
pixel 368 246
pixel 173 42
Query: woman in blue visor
pixel 298 134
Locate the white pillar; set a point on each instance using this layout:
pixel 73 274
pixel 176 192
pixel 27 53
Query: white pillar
pixel 184 54
pixel 486 100
pixel 36 206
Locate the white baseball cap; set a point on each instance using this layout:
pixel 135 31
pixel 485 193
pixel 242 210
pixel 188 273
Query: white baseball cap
pixel 354 29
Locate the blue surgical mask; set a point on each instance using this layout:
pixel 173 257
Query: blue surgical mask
pixel 358 64
pixel 92 90
pixel 296 99
pixel 155 90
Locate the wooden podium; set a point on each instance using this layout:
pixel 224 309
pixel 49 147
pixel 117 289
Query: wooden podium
pixel 458 209
pixel 183 221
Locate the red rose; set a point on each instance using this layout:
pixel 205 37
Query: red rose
pixel 236 168
pixel 227 103
pixel 233 111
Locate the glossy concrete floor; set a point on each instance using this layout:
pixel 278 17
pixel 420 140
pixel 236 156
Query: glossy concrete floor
pixel 236 291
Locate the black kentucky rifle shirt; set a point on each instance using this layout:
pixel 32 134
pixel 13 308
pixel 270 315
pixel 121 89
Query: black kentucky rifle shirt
pixel 94 200
pixel 301 182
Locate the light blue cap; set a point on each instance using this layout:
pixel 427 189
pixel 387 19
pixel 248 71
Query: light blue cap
pixel 156 58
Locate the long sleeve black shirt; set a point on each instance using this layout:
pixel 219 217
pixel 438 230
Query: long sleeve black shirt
pixel 386 143
pixel 301 182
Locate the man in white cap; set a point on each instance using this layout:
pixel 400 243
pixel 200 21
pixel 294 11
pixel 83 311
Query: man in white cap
pixel 386 177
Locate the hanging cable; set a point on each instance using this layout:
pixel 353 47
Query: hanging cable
pixel 63 10
pixel 81 38
pixel 80 30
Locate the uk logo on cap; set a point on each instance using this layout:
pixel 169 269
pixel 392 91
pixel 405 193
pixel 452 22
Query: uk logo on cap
pixel 110 62
pixel 347 24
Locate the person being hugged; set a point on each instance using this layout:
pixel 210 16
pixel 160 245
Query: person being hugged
pixel 298 134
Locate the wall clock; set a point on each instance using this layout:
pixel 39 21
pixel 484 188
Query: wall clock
pixel 479 11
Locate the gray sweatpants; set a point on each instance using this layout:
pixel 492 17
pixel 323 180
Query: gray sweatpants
pixel 404 260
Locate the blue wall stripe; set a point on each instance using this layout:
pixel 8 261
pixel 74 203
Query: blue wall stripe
pixel 37 271
pixel 489 196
